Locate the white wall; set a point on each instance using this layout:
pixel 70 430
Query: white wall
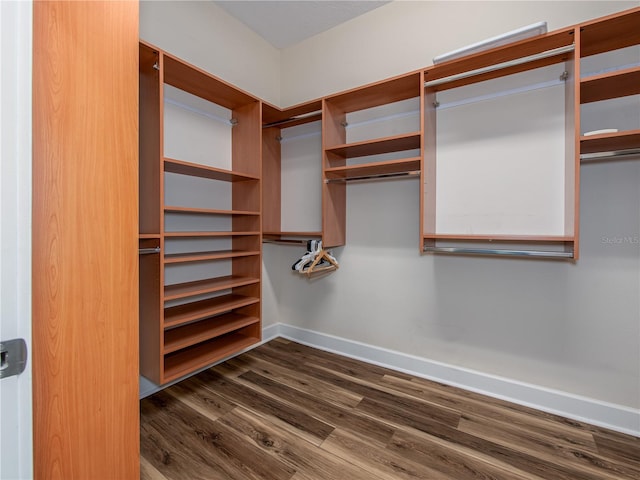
pixel 570 327
pixel 405 35
pixel 205 35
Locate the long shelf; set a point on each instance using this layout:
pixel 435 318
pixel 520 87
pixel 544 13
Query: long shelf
pixel 610 142
pixel 621 83
pixel 203 171
pixel 190 312
pixel 207 211
pixel 395 143
pixel 184 361
pixel 204 256
pixel 292 234
pixel 208 234
pixel 388 167
pixel 210 285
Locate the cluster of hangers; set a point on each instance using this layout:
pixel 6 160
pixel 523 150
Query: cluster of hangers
pixel 316 260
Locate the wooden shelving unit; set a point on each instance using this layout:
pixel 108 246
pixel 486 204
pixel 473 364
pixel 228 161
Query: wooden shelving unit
pixel 337 150
pixel 598 37
pixel 192 324
pixel 275 122
pixel 519 57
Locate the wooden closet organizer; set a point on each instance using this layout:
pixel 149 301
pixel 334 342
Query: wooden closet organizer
pixel 220 316
pixel 192 324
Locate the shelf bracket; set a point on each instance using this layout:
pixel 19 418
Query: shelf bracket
pixel 233 122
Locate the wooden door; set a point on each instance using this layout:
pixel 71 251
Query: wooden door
pixel 85 247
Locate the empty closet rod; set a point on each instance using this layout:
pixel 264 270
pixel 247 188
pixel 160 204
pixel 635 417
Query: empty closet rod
pixel 500 66
pixel 292 119
pixel 147 251
pixel 284 241
pixel 616 153
pixel 511 253
pixel 372 177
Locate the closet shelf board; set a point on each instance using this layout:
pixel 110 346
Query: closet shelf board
pixel 209 285
pixel 185 361
pixel 189 312
pixel 207 211
pixel 395 143
pixel 208 234
pixel 610 142
pixel 204 256
pixel 203 171
pixel 374 168
pixel 610 85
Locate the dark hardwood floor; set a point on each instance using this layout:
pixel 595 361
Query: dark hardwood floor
pixel 285 411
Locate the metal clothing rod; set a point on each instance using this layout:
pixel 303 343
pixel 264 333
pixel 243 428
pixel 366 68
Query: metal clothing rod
pixel 512 253
pixel 147 251
pixel 292 119
pixel 284 241
pixel 615 153
pixel 500 66
pixel 373 177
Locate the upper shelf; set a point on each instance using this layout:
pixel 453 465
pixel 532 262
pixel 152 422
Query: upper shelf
pixel 296 115
pixel 395 143
pixel 390 167
pixel 496 56
pixel 196 81
pixel 609 85
pixel 207 211
pixel 203 171
pixel 380 93
pixel 610 142
pixel 610 33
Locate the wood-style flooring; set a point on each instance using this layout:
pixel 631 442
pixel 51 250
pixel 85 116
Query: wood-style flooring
pixel 284 411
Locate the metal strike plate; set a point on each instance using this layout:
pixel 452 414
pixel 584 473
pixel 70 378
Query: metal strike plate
pixel 13 357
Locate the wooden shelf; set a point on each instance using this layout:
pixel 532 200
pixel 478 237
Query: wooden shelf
pixel 610 33
pixel 188 360
pixel 609 142
pixel 204 256
pixel 197 170
pixel 390 167
pixel 610 85
pixel 208 234
pixel 498 55
pixel 193 333
pixel 209 285
pixel 287 117
pixel 207 211
pixel 190 312
pixel 149 236
pixel 500 238
pixel 396 143
pixel 196 81
pixel 387 91
pixel 292 234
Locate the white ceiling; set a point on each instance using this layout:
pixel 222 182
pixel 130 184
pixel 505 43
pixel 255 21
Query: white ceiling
pixel 285 23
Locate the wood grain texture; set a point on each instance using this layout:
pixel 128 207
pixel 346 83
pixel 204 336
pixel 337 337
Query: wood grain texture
pixel 85 240
pixel 313 415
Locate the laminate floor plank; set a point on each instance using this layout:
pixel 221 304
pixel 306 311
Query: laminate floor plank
pixel 347 419
pixel 456 399
pixel 297 380
pixel 302 422
pixel 285 411
pixel 376 460
pixel 514 437
pixel 215 444
pixel 309 461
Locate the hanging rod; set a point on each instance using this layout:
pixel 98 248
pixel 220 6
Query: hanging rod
pixel 380 176
pixel 510 253
pixel 616 153
pixel 500 66
pixel 147 251
pixel 284 241
pixel 292 119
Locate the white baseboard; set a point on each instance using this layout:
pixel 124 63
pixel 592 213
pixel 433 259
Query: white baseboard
pixel 595 412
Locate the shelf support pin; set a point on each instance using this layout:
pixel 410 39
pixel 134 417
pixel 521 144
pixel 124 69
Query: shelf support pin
pixel 233 122
pixel 344 124
pixel 564 76
pixel 436 104
pixel 156 66
pixel 279 138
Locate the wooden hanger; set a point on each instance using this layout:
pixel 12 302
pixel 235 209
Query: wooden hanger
pixel 314 268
